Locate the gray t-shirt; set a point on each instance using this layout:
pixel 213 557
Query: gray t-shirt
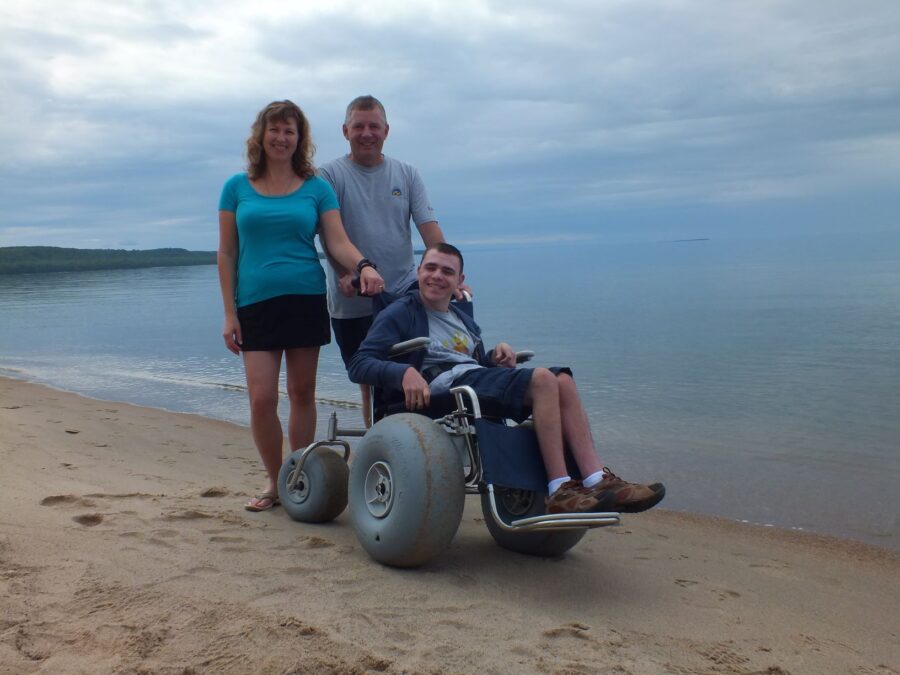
pixel 450 343
pixel 376 206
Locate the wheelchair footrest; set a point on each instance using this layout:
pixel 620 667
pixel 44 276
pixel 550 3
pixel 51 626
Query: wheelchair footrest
pixel 548 521
pixel 566 521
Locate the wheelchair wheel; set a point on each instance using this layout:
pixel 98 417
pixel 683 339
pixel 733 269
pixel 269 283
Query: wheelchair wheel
pixel 407 490
pixel 514 504
pixel 320 494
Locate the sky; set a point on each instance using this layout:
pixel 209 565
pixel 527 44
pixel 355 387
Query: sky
pixel 609 120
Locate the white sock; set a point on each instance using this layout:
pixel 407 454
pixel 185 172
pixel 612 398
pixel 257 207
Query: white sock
pixel 554 484
pixel 593 479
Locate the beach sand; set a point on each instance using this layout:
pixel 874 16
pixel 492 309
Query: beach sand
pixel 124 547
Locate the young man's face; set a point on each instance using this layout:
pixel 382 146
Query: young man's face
pixel 366 131
pixel 439 277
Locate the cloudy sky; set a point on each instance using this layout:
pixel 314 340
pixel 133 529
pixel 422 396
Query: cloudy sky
pixel 607 119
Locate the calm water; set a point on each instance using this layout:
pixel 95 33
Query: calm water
pixel 759 379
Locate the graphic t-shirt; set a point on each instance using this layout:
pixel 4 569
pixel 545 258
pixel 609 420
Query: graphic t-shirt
pixel 377 204
pixel 450 344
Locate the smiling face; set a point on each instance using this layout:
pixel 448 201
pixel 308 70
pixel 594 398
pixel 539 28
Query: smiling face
pixel 439 277
pixel 366 130
pixel 280 139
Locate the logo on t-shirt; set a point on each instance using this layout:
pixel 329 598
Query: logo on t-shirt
pixel 396 192
pixel 458 343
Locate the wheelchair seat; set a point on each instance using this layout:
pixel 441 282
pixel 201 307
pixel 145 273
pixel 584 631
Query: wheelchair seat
pixel 441 405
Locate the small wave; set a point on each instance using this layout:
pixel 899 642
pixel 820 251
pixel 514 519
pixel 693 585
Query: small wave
pixel 228 386
pixel 225 385
pixel 340 403
pixel 122 374
pixel 176 379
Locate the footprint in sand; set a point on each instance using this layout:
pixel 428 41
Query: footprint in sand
pixel 726 594
pixel 89 519
pixel 723 655
pixel 301 628
pixel 189 514
pixel 576 630
pixel 215 491
pixel 367 662
pixel 53 500
pixel 126 495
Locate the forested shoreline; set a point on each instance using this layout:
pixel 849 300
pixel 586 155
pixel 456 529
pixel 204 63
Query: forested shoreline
pixel 32 259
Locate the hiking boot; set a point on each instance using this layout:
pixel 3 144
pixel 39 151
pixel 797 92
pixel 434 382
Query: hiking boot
pixel 624 496
pixel 570 497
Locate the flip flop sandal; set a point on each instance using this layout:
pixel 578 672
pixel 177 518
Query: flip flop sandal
pixel 256 508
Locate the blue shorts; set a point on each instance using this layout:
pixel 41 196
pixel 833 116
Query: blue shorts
pixel 501 391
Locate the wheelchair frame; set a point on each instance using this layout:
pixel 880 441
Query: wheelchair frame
pixel 459 426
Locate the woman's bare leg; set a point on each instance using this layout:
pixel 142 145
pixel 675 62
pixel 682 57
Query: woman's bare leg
pixel 262 369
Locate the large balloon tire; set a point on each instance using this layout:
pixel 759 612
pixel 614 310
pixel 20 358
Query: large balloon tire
pixel 515 504
pixel 407 490
pixel 321 494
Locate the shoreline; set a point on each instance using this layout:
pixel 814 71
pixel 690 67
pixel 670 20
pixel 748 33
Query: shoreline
pixel 325 406
pixel 124 547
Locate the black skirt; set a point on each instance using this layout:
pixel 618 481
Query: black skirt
pixel 285 322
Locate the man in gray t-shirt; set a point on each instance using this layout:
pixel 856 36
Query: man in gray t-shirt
pixel 378 196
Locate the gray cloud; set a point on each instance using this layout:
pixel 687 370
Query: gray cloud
pixel 644 118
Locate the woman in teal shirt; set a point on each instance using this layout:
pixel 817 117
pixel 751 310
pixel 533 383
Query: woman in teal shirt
pixel 273 285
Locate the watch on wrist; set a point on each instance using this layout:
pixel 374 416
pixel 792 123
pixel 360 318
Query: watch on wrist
pixel 365 262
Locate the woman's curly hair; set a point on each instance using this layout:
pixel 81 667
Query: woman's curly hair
pixel 280 111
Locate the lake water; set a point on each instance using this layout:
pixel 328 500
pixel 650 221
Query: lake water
pixel 759 379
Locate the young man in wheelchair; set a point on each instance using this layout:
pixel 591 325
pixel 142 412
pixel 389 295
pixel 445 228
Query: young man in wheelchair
pixel 456 356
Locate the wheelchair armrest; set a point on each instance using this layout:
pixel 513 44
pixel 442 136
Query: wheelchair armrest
pixel 524 355
pixel 408 346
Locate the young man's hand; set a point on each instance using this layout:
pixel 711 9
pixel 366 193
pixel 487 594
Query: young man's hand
pixel 503 356
pixel 415 389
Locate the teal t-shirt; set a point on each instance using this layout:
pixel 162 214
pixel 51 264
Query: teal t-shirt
pixel 276 238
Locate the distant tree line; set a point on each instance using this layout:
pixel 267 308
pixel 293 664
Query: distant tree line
pixel 26 259
pixel 31 259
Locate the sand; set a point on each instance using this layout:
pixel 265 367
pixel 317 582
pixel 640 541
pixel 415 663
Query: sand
pixel 124 547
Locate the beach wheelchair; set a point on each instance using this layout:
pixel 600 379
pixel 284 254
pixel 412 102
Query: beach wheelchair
pixel 410 473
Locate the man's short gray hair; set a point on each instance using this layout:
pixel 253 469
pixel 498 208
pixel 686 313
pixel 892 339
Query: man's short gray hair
pixel 365 103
